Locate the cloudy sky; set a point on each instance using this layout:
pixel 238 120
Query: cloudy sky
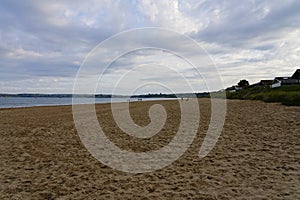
pixel 44 43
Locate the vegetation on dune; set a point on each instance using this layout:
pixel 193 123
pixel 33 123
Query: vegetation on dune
pixel 287 95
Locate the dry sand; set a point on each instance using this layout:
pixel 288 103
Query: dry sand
pixel 256 157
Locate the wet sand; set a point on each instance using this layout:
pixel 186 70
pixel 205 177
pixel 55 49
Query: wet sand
pixel 256 157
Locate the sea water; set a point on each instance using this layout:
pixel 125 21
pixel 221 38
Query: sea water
pixel 14 102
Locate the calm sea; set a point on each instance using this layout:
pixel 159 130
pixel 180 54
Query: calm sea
pixel 14 102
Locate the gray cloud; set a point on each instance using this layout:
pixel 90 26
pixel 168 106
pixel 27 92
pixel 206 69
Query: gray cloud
pixel 45 41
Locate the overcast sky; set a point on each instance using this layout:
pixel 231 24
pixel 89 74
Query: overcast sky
pixel 43 43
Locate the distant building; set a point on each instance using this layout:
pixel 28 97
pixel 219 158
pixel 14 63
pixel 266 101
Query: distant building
pixel 296 75
pixel 266 83
pixel 233 88
pixel 293 80
pixel 276 82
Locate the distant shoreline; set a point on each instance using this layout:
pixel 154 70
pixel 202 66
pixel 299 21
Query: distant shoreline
pixel 149 95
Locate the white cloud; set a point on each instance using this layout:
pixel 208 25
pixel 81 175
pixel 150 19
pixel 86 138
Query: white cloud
pixel 21 53
pixel 167 13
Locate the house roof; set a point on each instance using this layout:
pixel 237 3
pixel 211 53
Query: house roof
pixel 296 75
pixel 266 82
pixel 281 78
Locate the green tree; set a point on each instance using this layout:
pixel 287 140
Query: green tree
pixel 243 83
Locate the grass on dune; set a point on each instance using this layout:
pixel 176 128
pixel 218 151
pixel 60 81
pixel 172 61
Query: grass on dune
pixel 287 95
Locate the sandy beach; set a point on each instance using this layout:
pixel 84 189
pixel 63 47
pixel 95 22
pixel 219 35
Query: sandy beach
pixel 256 157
